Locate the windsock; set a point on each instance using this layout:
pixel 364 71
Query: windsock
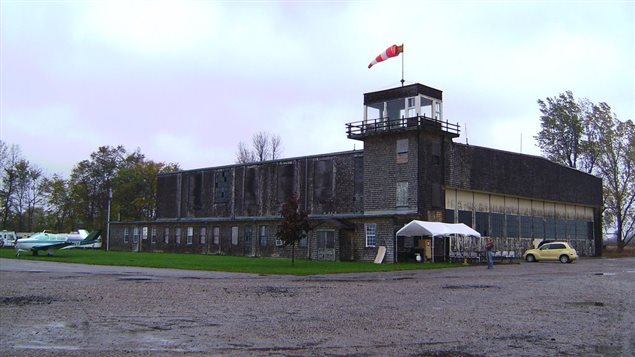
pixel 391 51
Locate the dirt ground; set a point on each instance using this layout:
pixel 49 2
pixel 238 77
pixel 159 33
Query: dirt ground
pixel 541 309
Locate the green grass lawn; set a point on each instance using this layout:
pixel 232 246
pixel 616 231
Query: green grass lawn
pixel 266 266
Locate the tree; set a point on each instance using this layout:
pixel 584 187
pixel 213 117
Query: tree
pixel 295 224
pixel 59 203
pixel 135 187
pixel 8 158
pixel 617 167
pixel 265 147
pixel 560 137
pixel 591 138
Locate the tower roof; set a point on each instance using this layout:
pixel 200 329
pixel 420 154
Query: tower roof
pixel 402 92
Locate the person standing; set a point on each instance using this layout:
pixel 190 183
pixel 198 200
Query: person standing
pixel 489 249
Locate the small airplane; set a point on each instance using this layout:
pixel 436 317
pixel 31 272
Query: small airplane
pixel 50 241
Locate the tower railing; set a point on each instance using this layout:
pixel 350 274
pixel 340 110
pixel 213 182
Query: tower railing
pixel 360 129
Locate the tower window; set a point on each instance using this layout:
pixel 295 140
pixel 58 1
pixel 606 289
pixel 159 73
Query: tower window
pixel 402 151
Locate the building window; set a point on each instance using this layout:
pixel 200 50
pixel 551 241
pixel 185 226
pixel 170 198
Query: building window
pixel 497 223
pixel 144 233
pixel 126 234
pixel 525 227
pixel 166 235
pixel 221 187
pixel 135 235
pixel 264 236
pixel 539 227
pixel 202 234
pixel 234 235
pixel 326 239
pixel 248 235
pixel 177 235
pixel 371 234
pixel 465 217
pixel 402 194
pixel 216 235
pixel 512 226
pixel 153 234
pixel 482 223
pixel 190 235
pixel 304 241
pixel 402 151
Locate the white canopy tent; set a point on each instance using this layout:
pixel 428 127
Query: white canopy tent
pixel 424 228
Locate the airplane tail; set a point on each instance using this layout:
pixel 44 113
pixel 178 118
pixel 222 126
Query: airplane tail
pixel 93 237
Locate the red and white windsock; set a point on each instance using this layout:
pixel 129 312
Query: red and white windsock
pixel 391 51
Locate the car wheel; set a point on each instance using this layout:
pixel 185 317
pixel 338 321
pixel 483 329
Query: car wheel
pixel 530 258
pixel 564 259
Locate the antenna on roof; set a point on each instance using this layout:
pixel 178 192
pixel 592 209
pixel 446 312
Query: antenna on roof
pixel 466 142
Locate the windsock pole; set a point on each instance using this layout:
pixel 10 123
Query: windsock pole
pixel 402 55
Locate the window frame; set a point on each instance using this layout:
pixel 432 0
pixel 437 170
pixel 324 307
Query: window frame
pixel 235 235
pixel 216 235
pixel 190 236
pixel 370 230
pixel 263 235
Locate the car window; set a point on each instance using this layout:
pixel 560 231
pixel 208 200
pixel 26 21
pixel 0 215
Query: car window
pixel 557 246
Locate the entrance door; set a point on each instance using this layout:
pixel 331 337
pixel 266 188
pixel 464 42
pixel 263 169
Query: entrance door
pixel 326 245
pixel 346 245
pixel 248 246
pixel 441 249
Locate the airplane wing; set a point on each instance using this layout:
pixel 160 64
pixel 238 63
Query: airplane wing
pixel 55 245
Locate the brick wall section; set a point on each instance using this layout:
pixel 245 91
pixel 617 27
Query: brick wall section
pixel 382 172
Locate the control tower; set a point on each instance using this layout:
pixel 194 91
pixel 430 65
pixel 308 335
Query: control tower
pixel 405 143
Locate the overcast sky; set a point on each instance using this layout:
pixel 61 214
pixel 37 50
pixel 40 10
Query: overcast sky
pixel 185 82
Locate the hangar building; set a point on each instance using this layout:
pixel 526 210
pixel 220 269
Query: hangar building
pixel 410 168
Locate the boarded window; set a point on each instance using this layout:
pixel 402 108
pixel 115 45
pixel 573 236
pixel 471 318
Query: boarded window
pixel 251 187
pixel 323 180
pixel 402 151
pixel 326 239
pixel 285 181
pixel 197 191
pixel 166 235
pixel 177 235
pixel 402 194
pixel 221 187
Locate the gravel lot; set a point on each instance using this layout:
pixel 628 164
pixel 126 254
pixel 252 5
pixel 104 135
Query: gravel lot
pixel 541 309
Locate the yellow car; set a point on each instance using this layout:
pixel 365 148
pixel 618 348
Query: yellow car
pixel 552 251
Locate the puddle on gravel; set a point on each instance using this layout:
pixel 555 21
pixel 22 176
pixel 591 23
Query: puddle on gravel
pixel 26 300
pixel 471 287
